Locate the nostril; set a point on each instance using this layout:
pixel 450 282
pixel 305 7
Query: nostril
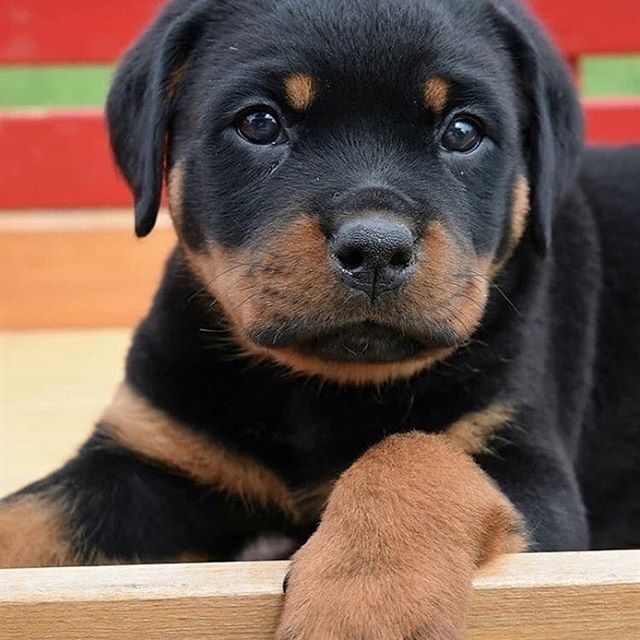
pixel 350 258
pixel 401 259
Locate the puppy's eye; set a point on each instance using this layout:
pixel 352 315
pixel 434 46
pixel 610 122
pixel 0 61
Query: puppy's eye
pixel 260 127
pixel 464 134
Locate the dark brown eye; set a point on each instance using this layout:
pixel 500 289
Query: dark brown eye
pixel 260 127
pixel 463 135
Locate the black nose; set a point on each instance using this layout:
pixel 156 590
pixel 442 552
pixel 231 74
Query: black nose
pixel 374 254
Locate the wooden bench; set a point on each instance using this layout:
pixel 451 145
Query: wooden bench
pixel 563 596
pixel 68 259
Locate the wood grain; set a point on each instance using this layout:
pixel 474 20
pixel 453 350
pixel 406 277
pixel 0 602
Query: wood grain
pixel 564 596
pixel 82 269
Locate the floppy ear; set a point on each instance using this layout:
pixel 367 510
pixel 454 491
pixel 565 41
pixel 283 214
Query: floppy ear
pixel 140 103
pixel 553 121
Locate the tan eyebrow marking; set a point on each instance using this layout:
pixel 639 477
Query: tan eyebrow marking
pixel 300 90
pixel 436 93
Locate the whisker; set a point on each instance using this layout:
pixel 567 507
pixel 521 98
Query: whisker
pixel 205 286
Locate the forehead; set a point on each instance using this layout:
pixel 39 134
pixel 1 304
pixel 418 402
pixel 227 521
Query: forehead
pixel 370 42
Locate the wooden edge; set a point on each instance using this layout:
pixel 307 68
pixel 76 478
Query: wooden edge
pixel 561 596
pixel 613 120
pixel 78 270
pixel 582 27
pixel 96 31
pixel 77 31
pixel 73 219
pixel 58 158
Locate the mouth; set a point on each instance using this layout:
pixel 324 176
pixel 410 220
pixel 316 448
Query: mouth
pixel 363 342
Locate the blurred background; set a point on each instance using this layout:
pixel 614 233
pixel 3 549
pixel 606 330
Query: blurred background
pixel 73 279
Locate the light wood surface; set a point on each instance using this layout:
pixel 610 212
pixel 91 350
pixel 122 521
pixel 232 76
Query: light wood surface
pixel 77 269
pixel 53 386
pixel 568 596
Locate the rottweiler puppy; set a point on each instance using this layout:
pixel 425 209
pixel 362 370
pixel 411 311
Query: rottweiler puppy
pixel 400 330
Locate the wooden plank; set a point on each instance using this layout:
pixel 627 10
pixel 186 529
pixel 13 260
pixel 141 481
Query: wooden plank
pixel 57 158
pixel 564 596
pixel 82 270
pixel 41 31
pixel 61 158
pixel 591 26
pixel 613 121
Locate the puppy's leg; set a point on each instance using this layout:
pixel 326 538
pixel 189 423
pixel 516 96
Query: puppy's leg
pixel 523 453
pixel 543 486
pixel 143 488
pixel 404 531
pixel 33 530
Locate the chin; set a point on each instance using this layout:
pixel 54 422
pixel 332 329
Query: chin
pixel 355 354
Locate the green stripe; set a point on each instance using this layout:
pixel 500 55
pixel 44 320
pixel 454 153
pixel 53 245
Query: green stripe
pixel 86 85
pixel 55 86
pixel 611 76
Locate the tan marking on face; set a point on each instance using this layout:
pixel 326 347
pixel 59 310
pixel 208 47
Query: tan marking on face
pixel 33 533
pixel 300 90
pixel 451 281
pixel 287 274
pixel 520 208
pixel 436 93
pixel 471 303
pixel 408 524
pixel 132 422
pixel 299 259
pixel 353 372
pixel 176 194
pixel 474 431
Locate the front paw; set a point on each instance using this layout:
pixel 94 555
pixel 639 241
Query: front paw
pixel 394 555
pixel 330 596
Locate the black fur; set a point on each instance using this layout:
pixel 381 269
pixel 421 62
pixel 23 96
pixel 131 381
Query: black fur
pixel 560 337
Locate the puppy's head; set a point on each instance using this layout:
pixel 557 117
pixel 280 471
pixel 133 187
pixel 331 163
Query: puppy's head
pixel 347 177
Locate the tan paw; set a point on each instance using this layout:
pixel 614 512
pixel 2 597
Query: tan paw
pixel 394 556
pixel 333 597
